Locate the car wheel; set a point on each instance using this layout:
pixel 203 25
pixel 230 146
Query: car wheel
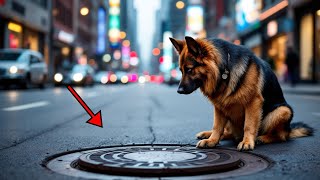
pixel 42 84
pixel 27 82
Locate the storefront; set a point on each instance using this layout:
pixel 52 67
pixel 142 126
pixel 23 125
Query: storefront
pixel 2 31
pixel 31 40
pixel 14 31
pixel 15 35
pixel 275 37
pixel 307 42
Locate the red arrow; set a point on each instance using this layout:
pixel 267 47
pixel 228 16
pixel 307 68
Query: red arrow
pixel 95 118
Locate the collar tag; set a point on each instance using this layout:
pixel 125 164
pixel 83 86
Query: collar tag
pixel 226 73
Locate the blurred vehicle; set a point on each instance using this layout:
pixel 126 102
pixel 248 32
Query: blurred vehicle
pixel 82 75
pixel 118 77
pixel 173 77
pixel 22 66
pixel 101 77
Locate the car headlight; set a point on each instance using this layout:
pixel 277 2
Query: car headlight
pixel 113 78
pixel 77 77
pixel 124 79
pixel 104 80
pixel 58 77
pixel 13 69
pixel 142 79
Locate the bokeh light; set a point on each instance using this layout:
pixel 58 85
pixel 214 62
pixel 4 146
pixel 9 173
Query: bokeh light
pixel 156 51
pixel 84 11
pixel 126 43
pixel 180 4
pixel 106 58
pixel 123 35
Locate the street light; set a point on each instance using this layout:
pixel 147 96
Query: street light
pixel 180 4
pixel 84 11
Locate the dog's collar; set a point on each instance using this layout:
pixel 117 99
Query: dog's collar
pixel 226 72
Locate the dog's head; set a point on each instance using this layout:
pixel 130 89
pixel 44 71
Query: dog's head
pixel 198 62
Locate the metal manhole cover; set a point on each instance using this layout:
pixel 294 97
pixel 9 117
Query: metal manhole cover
pixel 157 161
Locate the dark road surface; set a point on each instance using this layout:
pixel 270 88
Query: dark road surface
pixel 36 124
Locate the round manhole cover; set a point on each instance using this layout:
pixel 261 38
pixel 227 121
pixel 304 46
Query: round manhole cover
pixel 157 161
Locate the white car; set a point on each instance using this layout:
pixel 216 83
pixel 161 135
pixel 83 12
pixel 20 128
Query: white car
pixel 22 66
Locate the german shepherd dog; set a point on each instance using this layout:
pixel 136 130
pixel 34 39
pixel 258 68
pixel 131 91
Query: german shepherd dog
pixel 249 105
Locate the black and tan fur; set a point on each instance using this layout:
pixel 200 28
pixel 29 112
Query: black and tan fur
pixel 248 105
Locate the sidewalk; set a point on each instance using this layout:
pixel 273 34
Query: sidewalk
pixel 308 89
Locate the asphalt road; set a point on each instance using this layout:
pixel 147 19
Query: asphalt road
pixel 36 124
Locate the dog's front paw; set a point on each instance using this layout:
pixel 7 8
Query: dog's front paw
pixel 204 135
pixel 207 143
pixel 246 145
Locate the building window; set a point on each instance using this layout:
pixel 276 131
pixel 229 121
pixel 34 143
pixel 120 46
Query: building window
pixel 18 8
pixel 62 13
pixel 306 47
pixel 42 3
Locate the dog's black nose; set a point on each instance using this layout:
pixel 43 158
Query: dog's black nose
pixel 180 90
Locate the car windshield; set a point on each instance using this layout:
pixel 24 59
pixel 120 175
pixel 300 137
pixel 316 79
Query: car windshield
pixel 9 56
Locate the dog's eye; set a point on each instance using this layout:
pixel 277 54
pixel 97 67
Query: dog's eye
pixel 189 70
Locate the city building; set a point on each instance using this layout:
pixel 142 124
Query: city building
pixel 25 24
pixel 64 33
pixel 306 37
pixel 128 27
pixel 219 20
pixel 269 27
pixel 170 22
pixel 76 32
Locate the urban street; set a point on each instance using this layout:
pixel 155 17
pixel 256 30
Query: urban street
pixel 159 89
pixel 37 124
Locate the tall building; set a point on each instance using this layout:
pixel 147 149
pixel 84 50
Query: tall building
pixel 64 33
pixel 25 24
pixel 171 22
pixel 177 18
pixel 122 36
pixel 220 19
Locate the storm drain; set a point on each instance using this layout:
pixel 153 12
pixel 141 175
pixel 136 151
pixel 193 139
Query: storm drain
pixel 157 161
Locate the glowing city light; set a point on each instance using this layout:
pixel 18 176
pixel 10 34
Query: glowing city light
pixel 126 43
pixel 117 54
pixel 84 11
pixel 106 58
pixel 156 51
pixel 114 11
pixel 180 4
pixel 14 27
pixel 123 35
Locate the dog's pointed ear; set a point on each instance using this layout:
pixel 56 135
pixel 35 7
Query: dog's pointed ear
pixel 193 46
pixel 178 44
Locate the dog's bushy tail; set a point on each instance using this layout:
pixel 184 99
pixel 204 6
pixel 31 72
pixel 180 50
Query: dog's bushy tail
pixel 300 130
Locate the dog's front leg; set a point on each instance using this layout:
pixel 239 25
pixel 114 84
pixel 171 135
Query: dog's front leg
pixel 252 122
pixel 218 129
